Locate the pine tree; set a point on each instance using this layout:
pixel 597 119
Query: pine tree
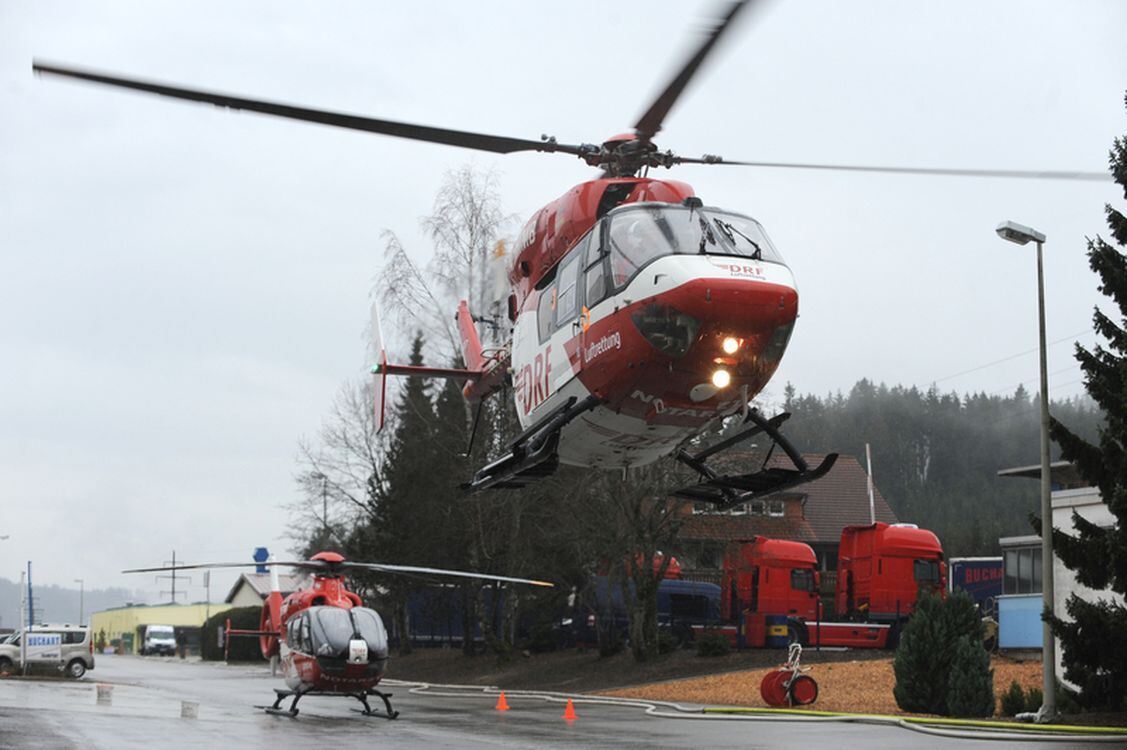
pixel 970 684
pixel 396 530
pixel 927 651
pixel 1094 639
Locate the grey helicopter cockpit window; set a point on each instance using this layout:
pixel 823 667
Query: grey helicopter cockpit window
pixel 333 628
pixel 641 234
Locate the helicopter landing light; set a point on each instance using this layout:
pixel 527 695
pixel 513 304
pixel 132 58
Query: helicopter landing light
pixel 721 378
pixel 730 345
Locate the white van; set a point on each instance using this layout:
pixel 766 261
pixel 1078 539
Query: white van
pixel 159 639
pixel 68 648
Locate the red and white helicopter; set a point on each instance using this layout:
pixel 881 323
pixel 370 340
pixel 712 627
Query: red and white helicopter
pixel 328 642
pixel 640 316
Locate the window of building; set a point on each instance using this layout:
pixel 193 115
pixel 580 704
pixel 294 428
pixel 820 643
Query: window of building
pixel 775 508
pixel 758 507
pixel 1022 570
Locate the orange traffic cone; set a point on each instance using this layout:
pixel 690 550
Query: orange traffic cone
pixel 502 704
pixel 569 712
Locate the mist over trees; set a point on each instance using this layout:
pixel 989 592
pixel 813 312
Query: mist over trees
pixel 936 455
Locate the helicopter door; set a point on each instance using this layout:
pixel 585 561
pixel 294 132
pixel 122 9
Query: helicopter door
pixel 569 299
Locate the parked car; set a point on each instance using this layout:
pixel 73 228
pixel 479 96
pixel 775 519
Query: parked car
pixel 67 648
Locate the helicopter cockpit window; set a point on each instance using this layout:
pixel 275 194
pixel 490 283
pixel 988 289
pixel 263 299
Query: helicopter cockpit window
pixel 545 311
pixel 596 269
pixel 303 639
pixel 641 234
pixel 568 285
pixel 334 627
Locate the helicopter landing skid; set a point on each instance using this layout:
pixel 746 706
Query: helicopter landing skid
pixel 292 711
pixel 728 490
pixel 532 455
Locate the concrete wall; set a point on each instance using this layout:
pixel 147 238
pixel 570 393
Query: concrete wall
pixel 1087 503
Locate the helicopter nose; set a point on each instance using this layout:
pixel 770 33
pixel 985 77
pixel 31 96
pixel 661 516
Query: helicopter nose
pixel 730 328
pixel 732 308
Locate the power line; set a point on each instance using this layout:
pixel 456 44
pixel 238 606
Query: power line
pixel 1071 336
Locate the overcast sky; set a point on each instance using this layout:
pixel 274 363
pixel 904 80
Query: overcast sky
pixel 183 290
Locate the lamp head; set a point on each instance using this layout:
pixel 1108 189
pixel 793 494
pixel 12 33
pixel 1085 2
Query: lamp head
pixel 1018 233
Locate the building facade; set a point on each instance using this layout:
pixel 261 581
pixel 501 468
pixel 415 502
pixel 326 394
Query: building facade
pixel 814 513
pixel 121 627
pixel 1071 494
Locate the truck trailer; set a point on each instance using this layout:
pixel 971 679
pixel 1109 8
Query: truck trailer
pixel 981 577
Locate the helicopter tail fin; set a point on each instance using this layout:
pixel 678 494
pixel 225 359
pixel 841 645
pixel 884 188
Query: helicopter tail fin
pixel 378 357
pixel 472 353
pixel 482 375
pixel 271 617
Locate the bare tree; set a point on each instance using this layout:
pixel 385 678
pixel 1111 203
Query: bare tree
pixel 466 226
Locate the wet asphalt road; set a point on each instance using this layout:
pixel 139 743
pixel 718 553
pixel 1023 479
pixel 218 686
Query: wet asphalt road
pixel 146 705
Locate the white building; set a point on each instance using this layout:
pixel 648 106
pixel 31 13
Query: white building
pixel 1070 494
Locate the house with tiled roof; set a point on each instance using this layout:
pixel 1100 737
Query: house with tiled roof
pixel 252 589
pixel 814 513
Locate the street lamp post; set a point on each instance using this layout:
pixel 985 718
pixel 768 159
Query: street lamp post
pixel 81 599
pixel 1022 235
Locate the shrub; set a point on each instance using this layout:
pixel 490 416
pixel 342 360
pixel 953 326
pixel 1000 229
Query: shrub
pixel 926 651
pixel 712 644
pixel 1013 700
pixel 1066 700
pixel 970 684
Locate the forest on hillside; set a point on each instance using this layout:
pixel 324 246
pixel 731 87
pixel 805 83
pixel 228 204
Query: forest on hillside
pixel 936 456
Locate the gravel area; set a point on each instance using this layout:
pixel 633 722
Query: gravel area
pixel 853 686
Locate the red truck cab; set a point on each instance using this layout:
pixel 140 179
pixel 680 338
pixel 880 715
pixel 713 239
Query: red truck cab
pixel 769 576
pixel 882 569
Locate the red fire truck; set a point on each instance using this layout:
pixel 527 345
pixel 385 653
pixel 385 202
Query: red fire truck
pixel 770 588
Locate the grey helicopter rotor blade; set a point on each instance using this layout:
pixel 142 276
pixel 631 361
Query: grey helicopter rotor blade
pixel 650 123
pixel 464 139
pixel 386 568
pixel 1008 173
pixel 305 564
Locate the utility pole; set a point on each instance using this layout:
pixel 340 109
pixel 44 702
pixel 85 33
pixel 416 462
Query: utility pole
pixel 872 500
pixel 30 598
pixel 173 577
pixel 25 624
pixel 81 599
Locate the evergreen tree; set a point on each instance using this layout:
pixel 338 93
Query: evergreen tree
pixel 1094 639
pixel 927 653
pixel 970 685
pixel 396 530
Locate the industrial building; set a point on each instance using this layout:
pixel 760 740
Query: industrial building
pixel 121 627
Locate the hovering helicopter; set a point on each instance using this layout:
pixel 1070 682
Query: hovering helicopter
pixel 639 315
pixel 328 642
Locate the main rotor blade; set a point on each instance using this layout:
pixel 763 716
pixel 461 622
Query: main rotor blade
pixel 464 139
pixel 310 564
pixel 650 123
pixel 1013 173
pixel 382 567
